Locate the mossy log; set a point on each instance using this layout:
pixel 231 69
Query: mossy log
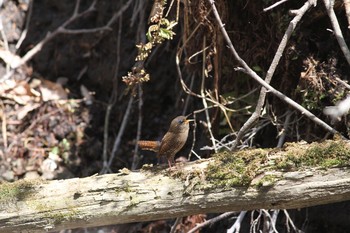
pixel 269 179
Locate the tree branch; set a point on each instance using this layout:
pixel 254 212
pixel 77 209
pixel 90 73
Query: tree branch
pixel 246 69
pixel 337 31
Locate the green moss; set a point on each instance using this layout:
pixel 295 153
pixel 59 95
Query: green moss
pixel 134 200
pixel 22 190
pixel 231 169
pixel 287 164
pixel 60 216
pixel 325 155
pixel 50 212
pixel 235 169
pixel 15 191
pixel 267 180
pixel 125 187
pixel 329 155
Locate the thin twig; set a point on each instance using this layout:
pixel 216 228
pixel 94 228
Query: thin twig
pixel 248 142
pixel 212 221
pixel 141 38
pixel 105 168
pixel 39 119
pixel 63 30
pixel 187 99
pixel 274 5
pixel 82 72
pixel 170 6
pixel 282 136
pixel 292 103
pixel 193 138
pixel 3 125
pixel 237 225
pixel 345 84
pixel 254 225
pixel 84 31
pixel 138 7
pixel 268 216
pixel 306 221
pixel 205 104
pixel 188 90
pixel 76 8
pixel 139 128
pixel 173 227
pixel 139 10
pixel 193 152
pixel 5 41
pixel 119 13
pixel 112 101
pixel 121 130
pixel 26 27
pixel 274 220
pixel 290 221
pixel 250 134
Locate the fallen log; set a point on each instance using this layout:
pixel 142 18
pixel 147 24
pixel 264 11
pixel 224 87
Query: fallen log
pixel 228 182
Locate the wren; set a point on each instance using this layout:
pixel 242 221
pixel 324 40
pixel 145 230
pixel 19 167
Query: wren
pixel 172 141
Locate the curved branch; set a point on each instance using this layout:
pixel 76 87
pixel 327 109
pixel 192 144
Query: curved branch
pixel 337 31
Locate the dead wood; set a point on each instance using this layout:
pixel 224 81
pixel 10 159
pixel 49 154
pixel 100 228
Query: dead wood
pixel 157 193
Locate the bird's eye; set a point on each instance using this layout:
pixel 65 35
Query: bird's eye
pixel 181 121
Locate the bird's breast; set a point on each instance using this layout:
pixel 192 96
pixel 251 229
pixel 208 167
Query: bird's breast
pixel 172 143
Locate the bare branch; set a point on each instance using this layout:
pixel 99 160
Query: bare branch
pixel 212 221
pixel 337 31
pixel 347 10
pixel 274 5
pixel 111 103
pixel 205 104
pixel 25 31
pixel 121 130
pixel 283 134
pixel 274 220
pixel 246 69
pixel 63 29
pixel 177 222
pixel 289 221
pixel 135 158
pixel 237 225
pixel 30 54
pixel 5 41
pixel 254 117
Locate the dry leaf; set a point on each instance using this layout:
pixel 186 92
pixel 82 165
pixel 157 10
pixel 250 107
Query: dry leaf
pixel 26 109
pixel 52 91
pixel 18 91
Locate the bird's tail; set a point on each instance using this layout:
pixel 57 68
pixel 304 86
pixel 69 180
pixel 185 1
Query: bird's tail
pixel 149 145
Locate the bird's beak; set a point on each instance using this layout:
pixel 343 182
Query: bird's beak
pixel 188 115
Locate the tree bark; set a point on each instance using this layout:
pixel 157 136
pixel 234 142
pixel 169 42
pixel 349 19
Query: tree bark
pixel 153 193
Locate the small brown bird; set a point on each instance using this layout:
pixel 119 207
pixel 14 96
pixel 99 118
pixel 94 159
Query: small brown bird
pixel 172 141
